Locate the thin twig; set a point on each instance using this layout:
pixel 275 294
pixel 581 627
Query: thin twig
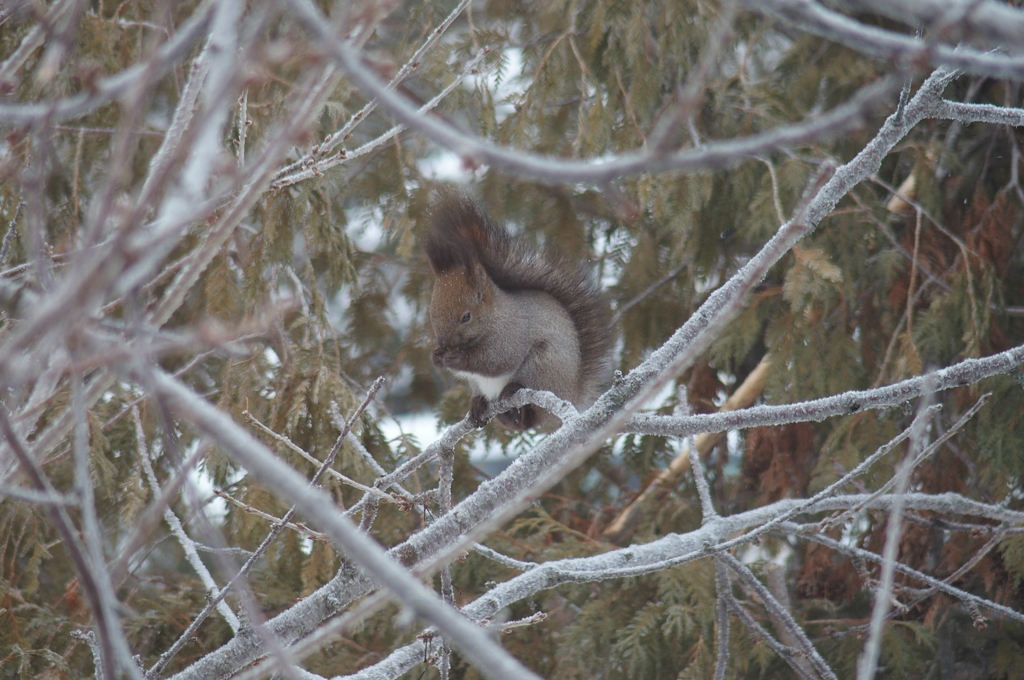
pixel 275 530
pixel 787 653
pixel 474 644
pixel 941 586
pixel 723 587
pixel 106 630
pixel 186 543
pixel 921 456
pixel 780 614
pixel 867 664
pixel 699 478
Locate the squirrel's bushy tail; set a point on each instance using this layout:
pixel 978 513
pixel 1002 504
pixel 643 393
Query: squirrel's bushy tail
pixel 461 234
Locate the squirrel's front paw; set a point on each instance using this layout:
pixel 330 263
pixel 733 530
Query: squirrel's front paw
pixel 477 408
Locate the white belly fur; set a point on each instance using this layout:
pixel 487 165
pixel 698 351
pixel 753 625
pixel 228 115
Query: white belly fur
pixel 489 386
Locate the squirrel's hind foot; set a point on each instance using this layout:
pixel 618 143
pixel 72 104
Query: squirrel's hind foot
pixel 524 418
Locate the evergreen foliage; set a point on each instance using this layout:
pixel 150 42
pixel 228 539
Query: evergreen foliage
pixel 232 217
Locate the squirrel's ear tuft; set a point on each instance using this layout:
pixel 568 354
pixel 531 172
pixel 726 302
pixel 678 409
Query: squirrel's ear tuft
pixel 479 281
pixel 459 233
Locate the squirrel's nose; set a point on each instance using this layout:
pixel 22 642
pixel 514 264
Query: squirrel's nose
pixel 438 356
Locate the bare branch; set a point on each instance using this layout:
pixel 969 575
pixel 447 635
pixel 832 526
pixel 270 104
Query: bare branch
pixel 115 86
pixel 994 24
pixel 711 155
pixel 788 654
pixel 938 585
pixel 811 17
pixel 867 664
pixel 110 637
pixel 711 539
pixel 967 372
pixel 473 643
pixel 723 587
pixel 186 543
pixel 779 613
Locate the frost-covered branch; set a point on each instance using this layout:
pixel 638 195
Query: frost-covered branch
pixel 994 24
pixel 479 151
pixel 539 469
pixel 112 87
pixel 472 642
pixel 966 372
pixel 188 546
pixel 811 17
pixel 780 614
pixel 723 590
pixel 317 160
pixel 497 500
pixel 942 586
pixel 216 598
pixel 181 220
pixel 867 664
pixel 110 643
pixel 790 655
pixel 675 549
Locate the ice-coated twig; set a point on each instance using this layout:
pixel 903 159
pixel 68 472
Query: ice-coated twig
pixel 188 546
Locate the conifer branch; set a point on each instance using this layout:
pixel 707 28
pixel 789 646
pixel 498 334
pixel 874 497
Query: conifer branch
pixel 909 201
pixel 114 263
pixel 690 97
pixel 109 635
pixel 151 518
pixel 315 161
pixel 116 233
pixel 107 603
pixel 253 622
pixel 324 466
pixel 925 414
pixel 53 316
pixel 279 524
pixel 921 594
pixel 621 310
pixel 274 521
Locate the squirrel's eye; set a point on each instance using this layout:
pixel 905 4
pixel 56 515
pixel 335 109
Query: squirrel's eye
pixel 466 317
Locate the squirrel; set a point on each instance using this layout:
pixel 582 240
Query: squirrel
pixel 508 316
